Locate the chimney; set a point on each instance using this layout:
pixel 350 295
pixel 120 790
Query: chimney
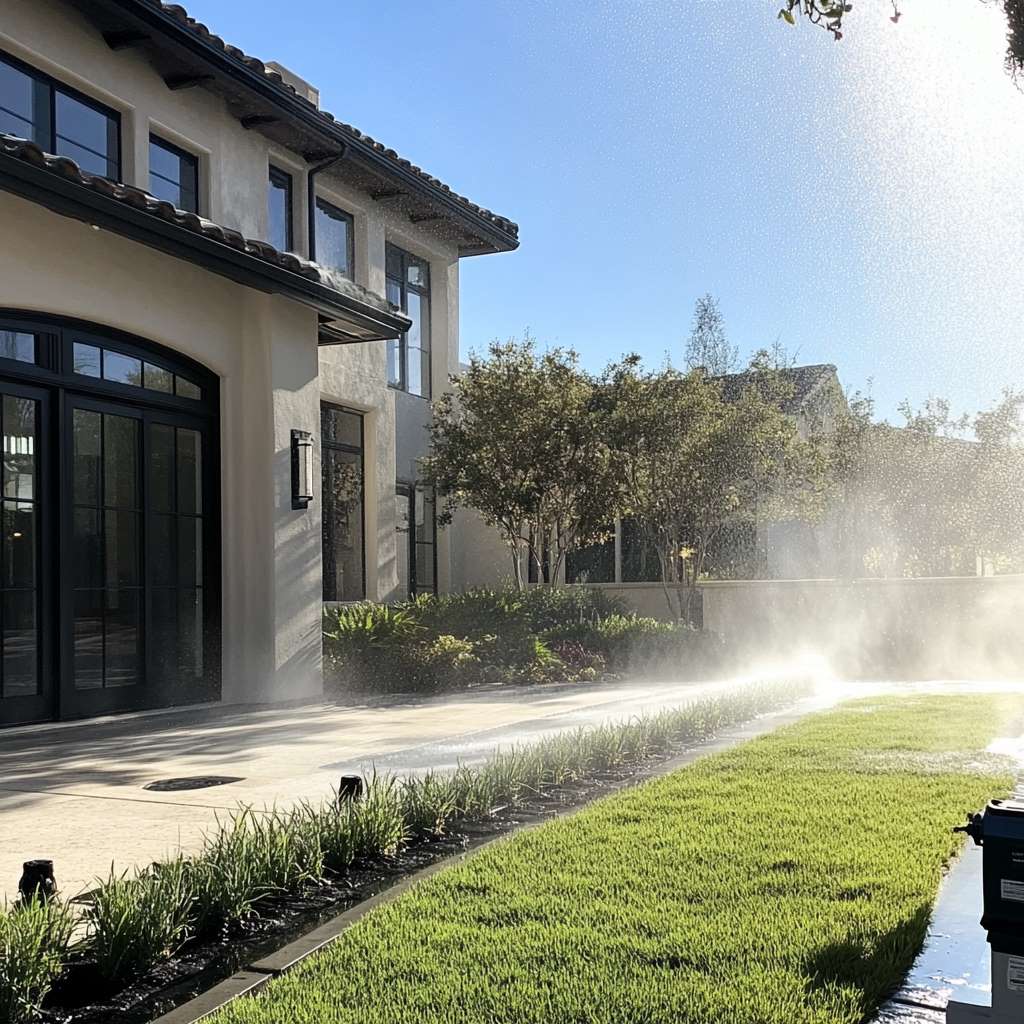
pixel 300 85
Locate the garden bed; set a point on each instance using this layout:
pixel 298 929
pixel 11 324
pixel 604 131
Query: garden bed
pixel 154 940
pixel 787 881
pixel 488 638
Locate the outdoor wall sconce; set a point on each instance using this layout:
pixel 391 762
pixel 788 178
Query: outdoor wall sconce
pixel 302 468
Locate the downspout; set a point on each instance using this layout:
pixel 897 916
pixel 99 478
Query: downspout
pixel 311 197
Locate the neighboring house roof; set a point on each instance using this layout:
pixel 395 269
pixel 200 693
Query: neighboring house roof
pixel 262 99
pixel 805 382
pixel 348 311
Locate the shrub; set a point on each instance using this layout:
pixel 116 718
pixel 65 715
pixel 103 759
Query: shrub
pixel 549 607
pixel 34 939
pixel 134 922
pixel 366 628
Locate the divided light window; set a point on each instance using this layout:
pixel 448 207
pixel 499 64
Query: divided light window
pixel 416 529
pixel 173 174
pixel 58 119
pixel 341 466
pixel 279 210
pixel 408 287
pixel 333 243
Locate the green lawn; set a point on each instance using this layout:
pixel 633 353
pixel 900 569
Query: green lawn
pixel 788 880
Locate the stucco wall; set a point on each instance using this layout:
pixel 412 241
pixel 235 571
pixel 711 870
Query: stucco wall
pixel 479 558
pixel 956 626
pixel 263 349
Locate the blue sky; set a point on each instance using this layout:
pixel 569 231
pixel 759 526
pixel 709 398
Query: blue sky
pixel 860 202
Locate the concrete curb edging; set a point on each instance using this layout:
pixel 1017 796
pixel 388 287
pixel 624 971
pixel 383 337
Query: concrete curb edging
pixel 256 975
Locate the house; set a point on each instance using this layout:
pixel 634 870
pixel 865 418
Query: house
pixel 223 313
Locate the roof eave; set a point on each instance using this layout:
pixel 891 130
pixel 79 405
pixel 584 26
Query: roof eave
pixel 490 234
pixel 360 320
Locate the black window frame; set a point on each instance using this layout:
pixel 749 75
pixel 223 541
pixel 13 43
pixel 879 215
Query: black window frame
pixel 350 450
pixel 407 492
pixel 55 86
pixel 184 157
pixel 278 178
pixel 334 212
pixel 395 254
pixel 53 377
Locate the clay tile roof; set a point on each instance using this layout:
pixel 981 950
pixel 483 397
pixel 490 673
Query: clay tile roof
pixel 253 63
pixel 30 153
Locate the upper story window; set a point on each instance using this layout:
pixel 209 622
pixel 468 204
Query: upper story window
pixel 279 210
pixel 408 287
pixel 173 174
pixel 59 120
pixel 333 242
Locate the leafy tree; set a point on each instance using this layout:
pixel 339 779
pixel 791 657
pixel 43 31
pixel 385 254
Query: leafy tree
pixel 708 348
pixel 929 496
pixel 522 440
pixel 694 465
pixel 831 15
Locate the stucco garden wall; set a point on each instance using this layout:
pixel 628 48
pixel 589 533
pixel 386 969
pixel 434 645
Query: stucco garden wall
pixel 955 627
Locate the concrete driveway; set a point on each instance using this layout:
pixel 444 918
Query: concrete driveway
pixel 75 792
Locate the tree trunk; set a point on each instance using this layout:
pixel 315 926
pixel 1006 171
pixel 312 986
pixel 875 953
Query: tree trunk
pixel 517 566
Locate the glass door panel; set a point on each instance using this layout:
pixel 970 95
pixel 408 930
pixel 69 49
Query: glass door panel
pixel 106 583
pixel 177 570
pixel 25 693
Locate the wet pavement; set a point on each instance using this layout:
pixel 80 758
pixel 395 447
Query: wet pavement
pixel 77 793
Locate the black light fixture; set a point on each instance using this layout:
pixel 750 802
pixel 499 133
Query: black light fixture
pixel 302 468
pixel 37 881
pixel 350 788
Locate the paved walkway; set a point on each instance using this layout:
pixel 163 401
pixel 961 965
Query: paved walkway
pixel 75 792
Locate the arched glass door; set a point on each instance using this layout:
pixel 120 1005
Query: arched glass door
pixel 109 563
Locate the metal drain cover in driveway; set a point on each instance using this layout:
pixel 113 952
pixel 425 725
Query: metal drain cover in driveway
pixel 195 782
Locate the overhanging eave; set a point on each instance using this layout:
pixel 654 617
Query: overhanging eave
pixel 362 321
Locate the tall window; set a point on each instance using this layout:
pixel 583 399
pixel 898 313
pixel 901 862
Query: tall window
pixel 58 119
pixel 594 563
pixel 408 287
pixel 416 527
pixel 333 244
pixel 173 174
pixel 279 210
pixel 341 455
pixel 640 562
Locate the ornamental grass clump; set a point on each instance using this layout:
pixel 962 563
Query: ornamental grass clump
pixel 428 803
pixel 34 940
pixel 135 921
pixel 252 857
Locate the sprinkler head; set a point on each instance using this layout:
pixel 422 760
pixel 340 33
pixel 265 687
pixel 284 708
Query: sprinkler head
pixel 37 880
pixel 350 788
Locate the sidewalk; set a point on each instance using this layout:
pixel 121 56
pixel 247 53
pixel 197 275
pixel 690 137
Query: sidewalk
pixel 74 793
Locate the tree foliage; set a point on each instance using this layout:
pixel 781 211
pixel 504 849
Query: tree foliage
pixel 933 494
pixel 522 440
pixel 707 347
pixel 694 465
pixel 831 15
